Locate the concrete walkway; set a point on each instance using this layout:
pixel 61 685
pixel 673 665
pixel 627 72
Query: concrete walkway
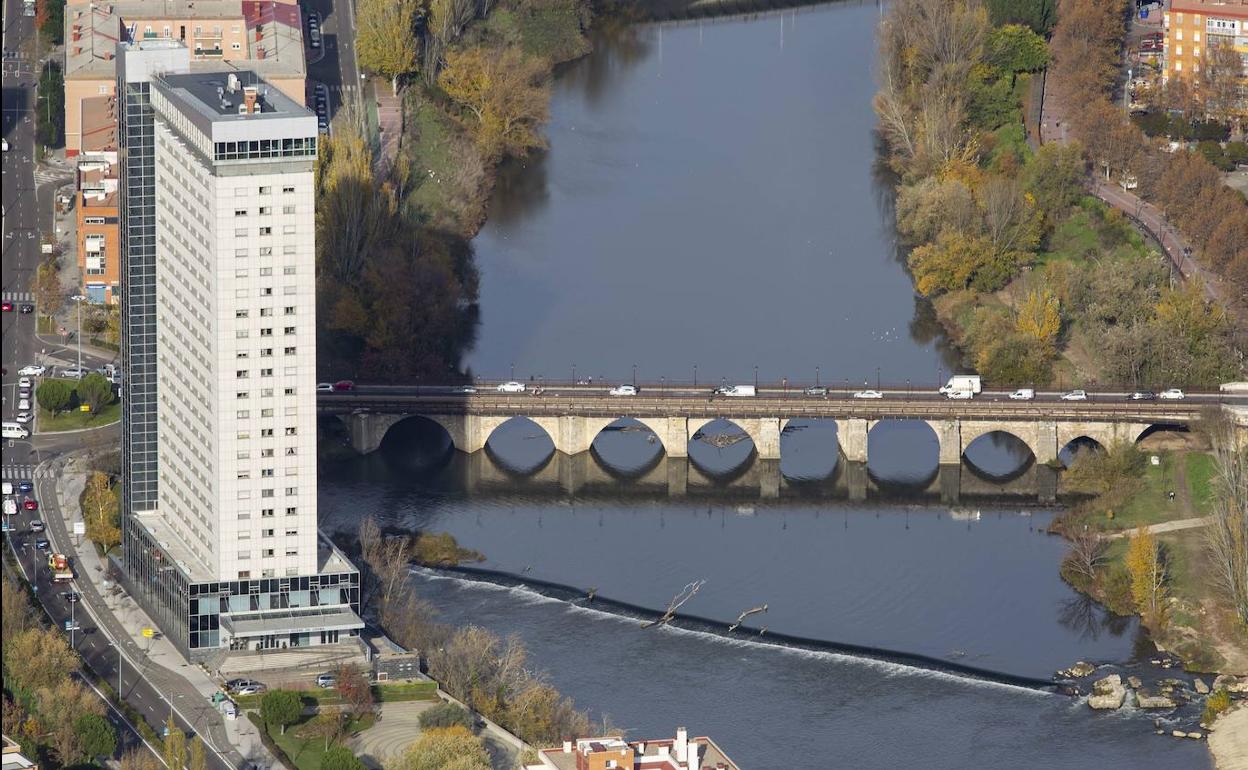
pixel 398 728
pixel 1165 526
pixel 187 687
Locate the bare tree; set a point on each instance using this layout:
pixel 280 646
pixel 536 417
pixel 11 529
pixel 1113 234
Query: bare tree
pixel 1222 79
pixel 1087 553
pixel 1226 537
pixel 685 594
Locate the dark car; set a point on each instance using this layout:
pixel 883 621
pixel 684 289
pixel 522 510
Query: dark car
pixel 70 596
pixel 1142 395
pixel 42 544
pixel 343 385
pixel 30 505
pixel 27 308
pixel 25 486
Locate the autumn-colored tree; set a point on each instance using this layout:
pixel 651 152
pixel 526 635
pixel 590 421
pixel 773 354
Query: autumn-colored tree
pixel 47 288
pixel 61 706
pixel 174 748
pixel 1147 568
pixel 38 658
pixel 1222 77
pixel 15 612
pixel 385 37
pixel 139 758
pixel 960 261
pixel 199 757
pixel 1053 177
pixel 101 511
pixel 328 724
pixel 505 93
pixel 354 211
pixel 355 691
pixel 444 748
pixel 1040 317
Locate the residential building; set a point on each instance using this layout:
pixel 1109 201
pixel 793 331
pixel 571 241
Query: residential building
pixel 14 759
pixel 265 37
pixel 98 231
pixel 1195 26
pixel 614 753
pixel 220 542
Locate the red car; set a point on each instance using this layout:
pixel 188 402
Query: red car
pixel 30 505
pixel 343 385
pixel 6 307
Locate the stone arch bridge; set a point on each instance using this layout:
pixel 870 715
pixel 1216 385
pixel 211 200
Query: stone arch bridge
pixel 574 419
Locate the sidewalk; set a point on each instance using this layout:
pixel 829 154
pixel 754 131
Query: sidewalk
pixel 186 687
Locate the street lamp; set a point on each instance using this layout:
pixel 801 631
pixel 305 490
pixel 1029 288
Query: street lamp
pixel 634 375
pixel 573 374
pixel 816 376
pixel 513 371
pixel 877 378
pixel 78 298
pixel 755 378
pixel 695 375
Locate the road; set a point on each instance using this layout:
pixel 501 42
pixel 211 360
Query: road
pixel 335 65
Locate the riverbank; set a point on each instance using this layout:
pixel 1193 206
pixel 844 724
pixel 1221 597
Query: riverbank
pixel 1229 741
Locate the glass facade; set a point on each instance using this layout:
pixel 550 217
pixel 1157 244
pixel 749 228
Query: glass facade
pixel 138 303
pixel 300 147
pixel 195 615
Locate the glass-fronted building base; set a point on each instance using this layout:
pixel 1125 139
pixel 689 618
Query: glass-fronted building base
pixel 201 616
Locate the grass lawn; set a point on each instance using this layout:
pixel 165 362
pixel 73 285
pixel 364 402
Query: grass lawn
pixel 1200 481
pixel 444 194
pixel 1149 504
pixel 306 751
pixel 76 420
pixel 383 693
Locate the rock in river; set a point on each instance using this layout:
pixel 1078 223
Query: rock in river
pixel 1145 700
pixel 1135 682
pixel 1078 671
pixel 1108 693
pixel 1200 686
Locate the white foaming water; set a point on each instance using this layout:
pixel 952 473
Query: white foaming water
pixel 888 669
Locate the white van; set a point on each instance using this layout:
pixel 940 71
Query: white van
pixel 10 506
pixel 736 390
pixel 7 488
pixel 13 430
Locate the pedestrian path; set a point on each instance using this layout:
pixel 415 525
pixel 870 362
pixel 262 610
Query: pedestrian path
pixel 17 296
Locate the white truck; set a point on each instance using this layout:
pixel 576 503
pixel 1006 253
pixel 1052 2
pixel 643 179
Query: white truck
pixel 963 383
pixel 736 390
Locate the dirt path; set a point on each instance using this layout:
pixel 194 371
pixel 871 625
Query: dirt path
pixel 1165 526
pixel 1229 741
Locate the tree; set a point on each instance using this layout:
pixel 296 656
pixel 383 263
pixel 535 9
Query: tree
pixel 1039 15
pixel 281 707
pixel 101 511
pixel 1226 537
pixel 1222 76
pixel 355 690
pixel 385 37
pixel 1040 317
pixel 38 658
pixel 139 758
pixel 97 736
pixel 95 391
pixel 958 261
pixel 199 758
pixel 15 611
pixel 47 288
pixel 60 707
pixel 354 212
pixel 445 715
pixel 1086 557
pixel 1053 177
pixel 505 92
pixel 1015 48
pixel 174 750
pixel 327 724
pixel 1148 576
pixel 541 716
pixel 50 125
pixel 54 395
pixel 444 748
pixel 339 757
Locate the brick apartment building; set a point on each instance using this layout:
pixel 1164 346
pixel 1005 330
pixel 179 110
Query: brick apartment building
pixel 614 753
pixel 1194 26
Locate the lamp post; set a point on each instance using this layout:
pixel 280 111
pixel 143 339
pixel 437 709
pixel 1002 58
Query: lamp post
pixel 877 378
pixel 78 298
pixel 513 371
pixel 755 378
pixel 695 375
pixel 573 374
pixel 816 376
pixel 940 375
pixel 634 375
pixel 662 382
pixel 907 388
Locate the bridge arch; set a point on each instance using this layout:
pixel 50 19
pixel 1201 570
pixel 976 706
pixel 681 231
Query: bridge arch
pixel 621 450
pixel 739 458
pixel 906 452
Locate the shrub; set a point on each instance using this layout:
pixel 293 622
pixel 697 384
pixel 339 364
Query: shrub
pixel 281 707
pixel 340 757
pixel 445 715
pixel 1215 704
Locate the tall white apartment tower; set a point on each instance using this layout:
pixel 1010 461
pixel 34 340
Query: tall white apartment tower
pixel 235 359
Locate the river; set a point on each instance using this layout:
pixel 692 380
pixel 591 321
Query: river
pixel 711 197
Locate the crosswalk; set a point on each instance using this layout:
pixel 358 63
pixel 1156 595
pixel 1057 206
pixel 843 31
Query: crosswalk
pixel 44 175
pixel 17 296
pixel 24 472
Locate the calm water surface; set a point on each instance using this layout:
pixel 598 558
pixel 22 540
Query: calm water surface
pixel 710 197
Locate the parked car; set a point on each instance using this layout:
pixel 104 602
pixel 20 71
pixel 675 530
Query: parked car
pixel 1075 395
pixel 234 685
pixel 324 387
pixel 24 404
pixel 34 370
pixel 1142 395
pixel 74 372
pixel 229 710
pixel 623 390
pixel 36 526
pixel 30 504
pixel 22 418
pixel 511 387
pixel 326 681
pixel 24 382
pixel 868 394
pixel 1173 394
pixel 255 688
pixel 1023 394
pixel 816 390
pixel 343 386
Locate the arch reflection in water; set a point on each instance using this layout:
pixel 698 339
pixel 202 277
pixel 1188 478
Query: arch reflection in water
pixel 905 453
pixel 998 456
pixel 721 450
pixel 560 476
